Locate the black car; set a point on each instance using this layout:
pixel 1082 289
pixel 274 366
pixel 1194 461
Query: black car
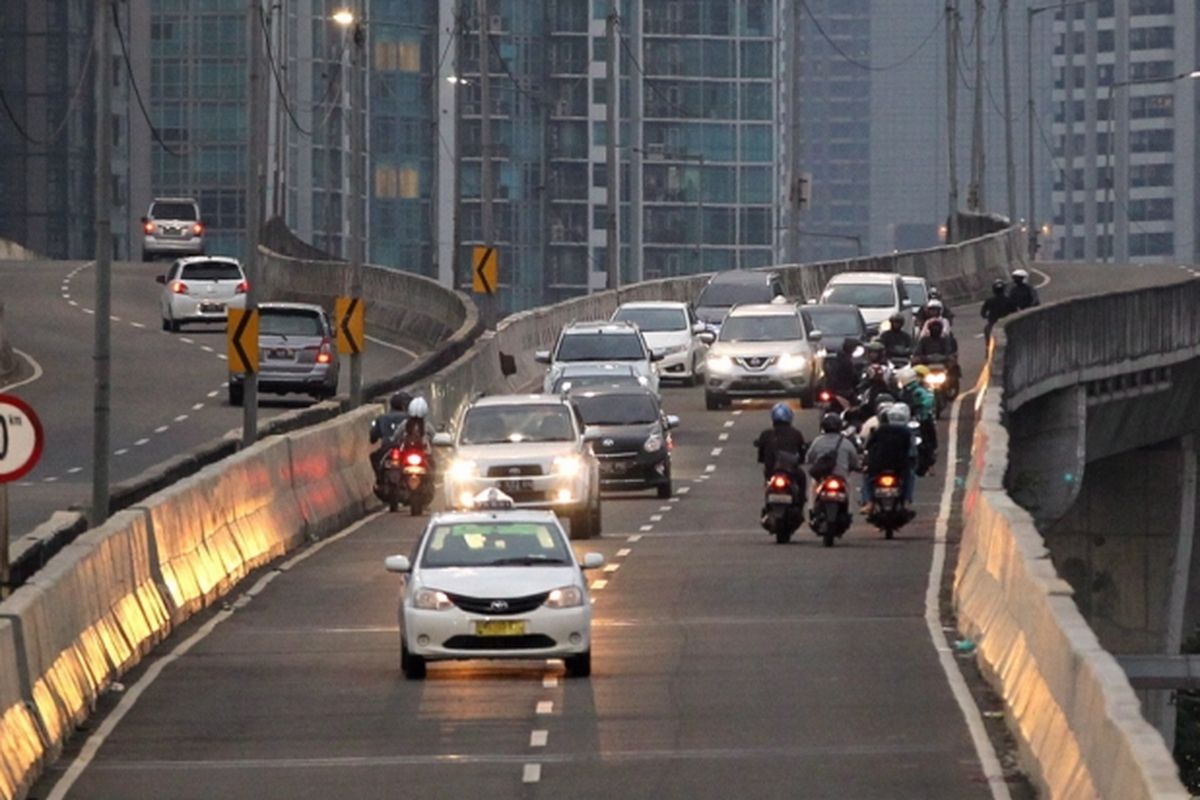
pixel 836 323
pixel 629 434
pixel 734 288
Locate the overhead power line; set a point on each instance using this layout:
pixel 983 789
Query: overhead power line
pixel 133 84
pixel 283 98
pixel 860 63
pixel 76 93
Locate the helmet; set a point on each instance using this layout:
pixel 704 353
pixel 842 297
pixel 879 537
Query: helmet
pixel 896 321
pixel 906 376
pixel 935 293
pixel 898 414
pixel 921 370
pixel 850 344
pixel 400 401
pixel 1019 275
pixel 875 346
pixel 935 307
pixel 782 412
pixel 883 399
pixel 418 408
pixel 832 423
pixel 998 286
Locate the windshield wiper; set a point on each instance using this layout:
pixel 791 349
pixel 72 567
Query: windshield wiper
pixel 527 560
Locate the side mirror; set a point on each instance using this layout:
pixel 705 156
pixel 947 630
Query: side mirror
pixel 145 220
pixel 508 365
pixel 160 279
pixel 657 355
pixel 706 336
pixel 443 439
pixel 541 356
pixel 906 303
pixel 699 327
pixel 815 335
pixel 672 422
pixel 593 561
pixel 397 564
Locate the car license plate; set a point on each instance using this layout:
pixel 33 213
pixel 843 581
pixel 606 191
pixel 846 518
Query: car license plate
pixel 613 467
pixel 516 486
pixel 500 627
pixel 281 353
pixel 779 498
pixel 211 308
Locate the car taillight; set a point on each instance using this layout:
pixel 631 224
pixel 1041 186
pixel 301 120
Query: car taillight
pixel 780 482
pixel 414 459
pixel 243 287
pixel 197 229
pixel 325 352
pixel 148 227
pixel 179 287
pixel 887 481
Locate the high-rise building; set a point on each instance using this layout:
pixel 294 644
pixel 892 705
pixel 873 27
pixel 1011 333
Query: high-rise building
pixel 1126 108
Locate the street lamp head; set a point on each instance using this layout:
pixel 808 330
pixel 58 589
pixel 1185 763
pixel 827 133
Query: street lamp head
pixel 1194 75
pixel 343 17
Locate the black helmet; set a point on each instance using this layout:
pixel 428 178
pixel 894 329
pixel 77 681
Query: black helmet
pixel 936 327
pixel 850 344
pixel 896 322
pixel 882 399
pixel 831 423
pixel 935 293
pixel 400 401
pixel 998 286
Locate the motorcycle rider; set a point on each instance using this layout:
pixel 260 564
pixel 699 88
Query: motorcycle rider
pixel 896 343
pixel 845 455
pixel 891 449
pixel 1021 294
pixel 935 306
pixel 779 439
pixel 388 428
pixel 996 307
pixel 415 431
pixel 841 373
pixel 882 402
pixel 936 347
pixel 920 403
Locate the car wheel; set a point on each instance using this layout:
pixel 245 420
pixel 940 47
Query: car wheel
pixel 692 377
pixel 166 324
pixel 579 665
pixel 146 257
pixel 412 666
pixel 597 522
pixel 236 394
pixel 664 488
pixel 416 507
pixel 174 326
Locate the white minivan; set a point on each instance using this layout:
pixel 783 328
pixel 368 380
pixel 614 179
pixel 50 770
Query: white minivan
pixel 878 295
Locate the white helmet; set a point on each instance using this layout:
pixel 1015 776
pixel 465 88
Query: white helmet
pixel 906 376
pixel 779 300
pixel 898 414
pixel 418 408
pixel 1019 275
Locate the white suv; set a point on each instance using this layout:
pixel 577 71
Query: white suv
pixel 172 227
pixel 762 351
pixel 532 448
pixel 600 343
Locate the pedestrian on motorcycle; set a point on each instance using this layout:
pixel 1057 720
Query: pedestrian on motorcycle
pixel 840 453
pixel 781 437
pixel 896 343
pixel 1021 294
pixel 388 428
pixel 842 374
pixel 921 406
pixel 996 307
pixel 891 449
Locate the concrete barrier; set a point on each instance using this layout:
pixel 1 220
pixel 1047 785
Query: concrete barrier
pixel 1071 709
pixel 11 251
pixel 21 750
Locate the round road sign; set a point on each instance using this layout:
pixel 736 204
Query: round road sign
pixel 21 438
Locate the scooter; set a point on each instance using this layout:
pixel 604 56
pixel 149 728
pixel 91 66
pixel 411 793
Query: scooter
pixel 890 513
pixel 940 381
pixel 830 514
pixel 405 478
pixel 784 506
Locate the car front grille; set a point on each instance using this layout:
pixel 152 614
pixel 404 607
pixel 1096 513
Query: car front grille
pixel 488 605
pixel 617 456
pixel 531 641
pixel 514 470
pixel 756 362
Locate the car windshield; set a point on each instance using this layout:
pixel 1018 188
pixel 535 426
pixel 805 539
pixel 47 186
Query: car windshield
pixel 282 322
pixel 654 320
pixel 614 379
pixel 180 211
pixel 601 347
pixel 211 271
pixel 863 295
pixel 617 409
pixel 495 544
pixel 767 328
pixel 725 295
pixel 833 322
pixel 916 292
pixel 523 423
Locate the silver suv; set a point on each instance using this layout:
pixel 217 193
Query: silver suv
pixel 762 351
pixel 532 448
pixel 600 343
pixel 172 227
pixel 296 353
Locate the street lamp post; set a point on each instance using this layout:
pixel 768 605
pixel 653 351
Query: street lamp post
pixel 1110 177
pixel 351 19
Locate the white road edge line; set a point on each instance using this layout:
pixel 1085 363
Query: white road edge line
pixel 1046 279
pixel 391 346
pixel 992 770
pixel 133 693
pixel 37 371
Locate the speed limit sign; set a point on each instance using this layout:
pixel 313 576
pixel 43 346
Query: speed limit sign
pixel 21 438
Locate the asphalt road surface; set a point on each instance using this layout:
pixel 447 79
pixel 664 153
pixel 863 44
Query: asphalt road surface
pixel 724 664
pixel 168 389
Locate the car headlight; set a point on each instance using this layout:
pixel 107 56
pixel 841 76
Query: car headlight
pixel 673 349
pixel 654 443
pixel 431 600
pixel 719 363
pixel 565 597
pixel 789 361
pixel 462 469
pixel 568 466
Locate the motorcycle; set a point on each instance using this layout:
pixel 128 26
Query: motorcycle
pixel 405 476
pixel 890 513
pixel 830 514
pixel 784 506
pixel 940 382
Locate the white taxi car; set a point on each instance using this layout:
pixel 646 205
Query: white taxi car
pixel 494 583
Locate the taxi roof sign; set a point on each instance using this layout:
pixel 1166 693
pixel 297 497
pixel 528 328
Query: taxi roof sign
pixel 492 499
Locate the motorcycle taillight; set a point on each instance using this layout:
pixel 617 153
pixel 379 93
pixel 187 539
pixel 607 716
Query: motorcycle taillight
pixel 833 485
pixel 886 481
pixel 780 482
pixel 395 455
pixel 414 459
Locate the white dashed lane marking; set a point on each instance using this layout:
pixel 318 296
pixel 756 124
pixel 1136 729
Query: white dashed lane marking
pixel 624 551
pixel 656 517
pixel 645 527
pixel 74 470
pixel 545 707
pixel 598 584
pixel 197 406
pixel 181 417
pixel 729 423
pixel 611 568
pixel 538 738
pixel 716 451
pixel 186 340
pixel 532 773
pixel 710 467
pixel 121 452
pixel 140 442
pixel 684 489
pixel 162 429
pixel 664 508
pixel 724 437
pixel 549 682
pixel 635 538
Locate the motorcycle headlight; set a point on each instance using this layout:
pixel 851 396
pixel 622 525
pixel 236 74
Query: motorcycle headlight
pixel 719 363
pixel 935 379
pixel 462 469
pixel 791 362
pixel 565 597
pixel 431 600
pixel 568 466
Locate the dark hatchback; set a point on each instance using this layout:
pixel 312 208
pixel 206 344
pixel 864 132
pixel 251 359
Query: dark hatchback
pixel 629 434
pixel 836 323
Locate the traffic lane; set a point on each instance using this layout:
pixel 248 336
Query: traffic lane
pixel 1075 280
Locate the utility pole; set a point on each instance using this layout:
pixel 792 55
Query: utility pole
pixel 485 132
pixel 358 192
pixel 1030 111
pixel 103 231
pixel 952 114
pixel 1068 13
pixel 637 99
pixel 255 114
pixel 975 198
pixel 612 240
pixel 1010 163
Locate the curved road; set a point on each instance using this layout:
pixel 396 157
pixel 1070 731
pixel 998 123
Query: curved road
pixel 168 390
pixel 723 663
